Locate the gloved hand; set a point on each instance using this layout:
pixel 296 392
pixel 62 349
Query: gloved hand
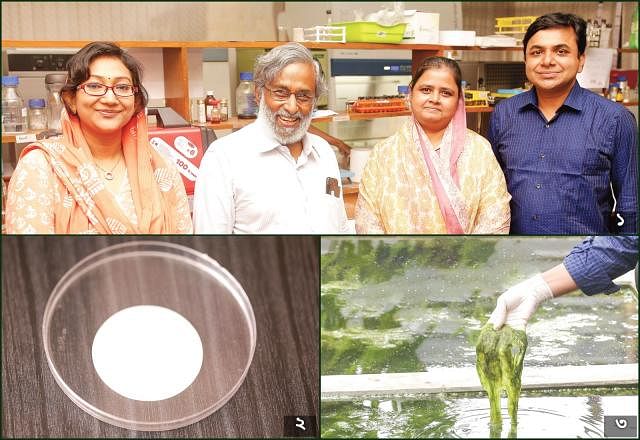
pixel 517 304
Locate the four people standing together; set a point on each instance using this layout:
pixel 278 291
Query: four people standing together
pixel 557 160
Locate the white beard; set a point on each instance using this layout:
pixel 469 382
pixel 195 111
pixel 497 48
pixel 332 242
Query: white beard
pixel 284 135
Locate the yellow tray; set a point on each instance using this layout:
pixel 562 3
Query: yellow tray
pixel 370 32
pixel 513 25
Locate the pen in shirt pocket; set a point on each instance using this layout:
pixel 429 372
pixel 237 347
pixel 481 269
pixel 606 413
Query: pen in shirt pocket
pixel 332 187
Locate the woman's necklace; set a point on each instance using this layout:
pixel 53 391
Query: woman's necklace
pixel 108 175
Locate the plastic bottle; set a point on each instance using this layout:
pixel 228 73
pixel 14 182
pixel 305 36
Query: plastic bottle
pixel 210 102
pixel 54 83
pixel 37 114
pixel 14 112
pixel 245 99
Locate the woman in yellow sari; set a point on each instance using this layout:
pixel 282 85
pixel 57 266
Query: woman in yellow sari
pixel 102 176
pixel 434 176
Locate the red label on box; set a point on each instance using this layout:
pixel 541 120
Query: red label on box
pixel 183 147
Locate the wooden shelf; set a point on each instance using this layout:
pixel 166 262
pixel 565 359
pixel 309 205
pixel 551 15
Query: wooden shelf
pixel 246 44
pixel 261 44
pixel 10 138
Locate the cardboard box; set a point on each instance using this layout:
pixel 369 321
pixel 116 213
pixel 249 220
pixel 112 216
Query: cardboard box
pixel 422 28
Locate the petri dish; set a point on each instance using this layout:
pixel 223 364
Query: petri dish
pixel 122 281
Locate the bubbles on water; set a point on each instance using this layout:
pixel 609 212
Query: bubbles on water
pixel 541 417
pixel 545 415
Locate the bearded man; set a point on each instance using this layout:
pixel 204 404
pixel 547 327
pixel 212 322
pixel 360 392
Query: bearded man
pixel 273 176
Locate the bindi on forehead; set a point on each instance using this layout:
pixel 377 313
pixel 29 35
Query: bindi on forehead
pixel 107 77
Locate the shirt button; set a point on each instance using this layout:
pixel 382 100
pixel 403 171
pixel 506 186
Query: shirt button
pixel 535 216
pixel 538 186
pixel 542 156
pixel 546 125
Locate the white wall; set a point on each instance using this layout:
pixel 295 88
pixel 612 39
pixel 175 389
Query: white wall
pixel 168 21
pixel 308 14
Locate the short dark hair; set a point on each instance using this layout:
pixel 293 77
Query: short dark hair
pixel 430 63
pixel 556 20
pixel 78 70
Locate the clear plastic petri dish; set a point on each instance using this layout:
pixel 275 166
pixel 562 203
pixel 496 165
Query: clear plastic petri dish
pixel 140 276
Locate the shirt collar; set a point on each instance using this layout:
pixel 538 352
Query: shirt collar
pixel 575 99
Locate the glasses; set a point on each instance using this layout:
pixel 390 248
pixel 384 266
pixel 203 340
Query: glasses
pixel 97 89
pixel 282 95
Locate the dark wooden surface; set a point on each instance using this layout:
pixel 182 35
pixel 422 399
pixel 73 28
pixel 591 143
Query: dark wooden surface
pixel 280 276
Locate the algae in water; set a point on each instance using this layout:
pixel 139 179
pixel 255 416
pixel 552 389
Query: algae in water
pixel 499 359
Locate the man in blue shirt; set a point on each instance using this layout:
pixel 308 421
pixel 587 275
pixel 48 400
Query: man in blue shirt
pixel 591 267
pixel 565 151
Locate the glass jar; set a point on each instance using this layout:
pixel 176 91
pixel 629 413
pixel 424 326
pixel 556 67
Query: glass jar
pixel 245 99
pixel 37 115
pixel 210 103
pixel 215 115
pixel 224 110
pixel 202 115
pixel 14 112
pixel 54 83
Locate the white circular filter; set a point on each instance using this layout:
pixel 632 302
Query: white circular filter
pixel 149 335
pixel 147 353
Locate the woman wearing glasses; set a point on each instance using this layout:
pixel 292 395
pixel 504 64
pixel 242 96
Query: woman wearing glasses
pixel 102 176
pixel 433 176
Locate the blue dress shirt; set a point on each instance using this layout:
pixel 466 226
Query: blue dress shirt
pixel 560 172
pixel 597 261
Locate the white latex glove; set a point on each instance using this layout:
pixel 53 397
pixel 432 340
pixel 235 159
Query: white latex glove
pixel 517 304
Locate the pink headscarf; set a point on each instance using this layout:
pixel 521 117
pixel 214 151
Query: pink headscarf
pixel 459 127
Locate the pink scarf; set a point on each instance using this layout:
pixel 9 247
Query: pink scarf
pixel 459 122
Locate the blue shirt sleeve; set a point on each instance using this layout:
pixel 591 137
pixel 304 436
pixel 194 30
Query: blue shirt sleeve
pixel 597 261
pixel 624 171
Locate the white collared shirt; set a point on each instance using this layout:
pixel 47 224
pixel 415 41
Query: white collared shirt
pixel 249 183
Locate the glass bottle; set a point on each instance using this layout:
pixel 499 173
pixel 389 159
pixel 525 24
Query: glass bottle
pixel 245 98
pixel 54 83
pixel 14 112
pixel 209 104
pixel 202 116
pixel 215 115
pixel 37 115
pixel 224 110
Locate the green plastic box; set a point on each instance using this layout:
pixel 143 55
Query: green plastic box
pixel 371 32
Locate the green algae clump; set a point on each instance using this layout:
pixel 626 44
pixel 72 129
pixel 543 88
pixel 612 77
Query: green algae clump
pixel 499 360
